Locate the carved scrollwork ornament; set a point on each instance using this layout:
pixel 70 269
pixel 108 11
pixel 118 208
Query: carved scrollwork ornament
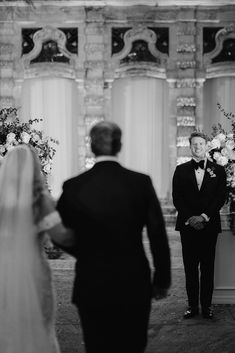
pixel 185 83
pixel 186 64
pixel 226 30
pixel 185 121
pixel 141 34
pixel 91 120
pixel 224 34
pixel 186 48
pixel 186 101
pixel 182 141
pixel 48 34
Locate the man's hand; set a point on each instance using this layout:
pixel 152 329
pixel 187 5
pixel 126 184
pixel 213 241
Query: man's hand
pixel 197 222
pixel 159 293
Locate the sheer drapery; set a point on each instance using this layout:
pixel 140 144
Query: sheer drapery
pixel 56 101
pixel 218 90
pixel 140 108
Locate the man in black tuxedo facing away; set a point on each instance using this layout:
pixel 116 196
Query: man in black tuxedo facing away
pixel 199 190
pixel 108 206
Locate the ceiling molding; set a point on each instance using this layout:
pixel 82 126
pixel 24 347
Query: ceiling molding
pixel 102 3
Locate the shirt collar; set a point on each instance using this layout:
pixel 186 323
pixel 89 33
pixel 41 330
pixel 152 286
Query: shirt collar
pixel 203 159
pixel 106 158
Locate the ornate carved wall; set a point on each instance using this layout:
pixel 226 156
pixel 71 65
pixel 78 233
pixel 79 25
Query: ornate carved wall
pixel 94 45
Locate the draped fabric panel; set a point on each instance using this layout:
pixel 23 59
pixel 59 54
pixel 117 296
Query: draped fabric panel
pixel 218 90
pixel 56 101
pixel 140 108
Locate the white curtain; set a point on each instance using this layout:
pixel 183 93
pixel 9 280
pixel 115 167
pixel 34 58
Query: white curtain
pixel 218 90
pixel 55 100
pixel 140 108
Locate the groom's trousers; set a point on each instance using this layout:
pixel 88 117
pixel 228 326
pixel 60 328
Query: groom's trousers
pixel 198 249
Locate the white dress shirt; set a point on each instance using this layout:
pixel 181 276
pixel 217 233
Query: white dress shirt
pixel 106 158
pixel 199 173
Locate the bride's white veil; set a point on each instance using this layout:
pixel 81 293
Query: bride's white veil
pixel 21 321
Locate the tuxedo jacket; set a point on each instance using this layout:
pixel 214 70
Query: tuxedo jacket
pixel 108 206
pixel 190 201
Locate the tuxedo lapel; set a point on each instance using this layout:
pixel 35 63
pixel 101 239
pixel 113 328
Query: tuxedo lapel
pixel 193 176
pixel 206 177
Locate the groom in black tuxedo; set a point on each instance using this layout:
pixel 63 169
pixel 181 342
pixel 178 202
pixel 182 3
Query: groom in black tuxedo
pixel 199 189
pixel 108 206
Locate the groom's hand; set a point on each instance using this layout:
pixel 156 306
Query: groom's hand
pixel 197 222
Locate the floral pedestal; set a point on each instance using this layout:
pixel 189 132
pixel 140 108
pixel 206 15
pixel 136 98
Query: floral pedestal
pixel 224 286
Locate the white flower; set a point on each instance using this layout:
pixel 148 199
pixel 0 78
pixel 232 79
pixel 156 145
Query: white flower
pixel 216 155
pixel 25 137
pixel 224 152
pixel 222 160
pixel 47 168
pixel 2 149
pixel 11 137
pixel 229 144
pixel 221 137
pixel 35 137
pixel 215 143
pixel 231 155
pixel 230 136
pixel 9 147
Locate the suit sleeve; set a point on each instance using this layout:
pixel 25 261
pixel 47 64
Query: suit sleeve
pixel 178 200
pixel 158 239
pixel 66 214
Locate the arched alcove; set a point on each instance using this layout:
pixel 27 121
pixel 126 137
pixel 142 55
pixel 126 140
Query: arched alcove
pixel 46 88
pixel 140 101
pixel 55 100
pixel 218 90
pixel 140 107
pixel 219 86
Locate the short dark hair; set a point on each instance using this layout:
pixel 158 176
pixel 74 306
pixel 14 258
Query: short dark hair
pixel 198 134
pixel 105 138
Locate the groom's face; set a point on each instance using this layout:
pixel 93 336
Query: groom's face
pixel 198 147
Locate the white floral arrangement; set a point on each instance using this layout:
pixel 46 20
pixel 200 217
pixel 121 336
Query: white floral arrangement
pixel 222 151
pixel 13 132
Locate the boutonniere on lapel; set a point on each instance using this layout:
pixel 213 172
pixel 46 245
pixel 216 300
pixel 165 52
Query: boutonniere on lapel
pixel 211 172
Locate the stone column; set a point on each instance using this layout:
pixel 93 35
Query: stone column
pixel 186 83
pixel 94 75
pixel 6 65
pixel 172 130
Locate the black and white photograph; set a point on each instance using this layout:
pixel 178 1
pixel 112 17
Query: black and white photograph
pixel 117 176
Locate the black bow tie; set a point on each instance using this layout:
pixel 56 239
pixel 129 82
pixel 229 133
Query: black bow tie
pixel 197 165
